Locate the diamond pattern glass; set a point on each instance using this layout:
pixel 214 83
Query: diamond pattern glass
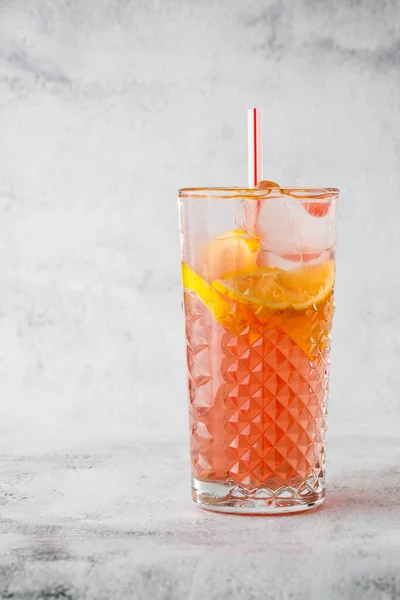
pixel 258 403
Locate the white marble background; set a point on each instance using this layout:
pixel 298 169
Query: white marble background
pixel 106 108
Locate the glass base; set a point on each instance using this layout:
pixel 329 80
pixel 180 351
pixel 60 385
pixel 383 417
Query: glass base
pixel 232 498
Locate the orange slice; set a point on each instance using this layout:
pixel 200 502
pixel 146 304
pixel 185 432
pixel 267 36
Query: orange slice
pixel 218 307
pixel 231 254
pixel 278 289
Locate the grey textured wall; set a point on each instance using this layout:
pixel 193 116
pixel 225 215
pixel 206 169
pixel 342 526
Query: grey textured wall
pixel 106 108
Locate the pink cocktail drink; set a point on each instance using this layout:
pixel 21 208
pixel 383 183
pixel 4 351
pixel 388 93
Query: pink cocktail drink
pixel 258 312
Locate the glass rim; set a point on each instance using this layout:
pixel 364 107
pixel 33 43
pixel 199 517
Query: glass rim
pixel 299 193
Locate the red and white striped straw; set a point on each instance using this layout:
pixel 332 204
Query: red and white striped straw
pixel 255 147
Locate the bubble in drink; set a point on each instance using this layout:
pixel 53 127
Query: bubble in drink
pixel 266 185
pixel 316 209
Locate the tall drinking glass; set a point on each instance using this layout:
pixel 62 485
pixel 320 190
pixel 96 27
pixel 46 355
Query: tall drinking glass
pixel 258 269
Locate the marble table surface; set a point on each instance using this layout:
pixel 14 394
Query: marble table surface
pixel 114 520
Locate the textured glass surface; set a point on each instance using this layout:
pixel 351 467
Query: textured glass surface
pixel 258 402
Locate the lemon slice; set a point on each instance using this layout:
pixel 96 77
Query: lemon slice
pixel 218 307
pixel 230 254
pixel 278 289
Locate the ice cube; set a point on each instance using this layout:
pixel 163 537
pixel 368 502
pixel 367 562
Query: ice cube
pixel 288 234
